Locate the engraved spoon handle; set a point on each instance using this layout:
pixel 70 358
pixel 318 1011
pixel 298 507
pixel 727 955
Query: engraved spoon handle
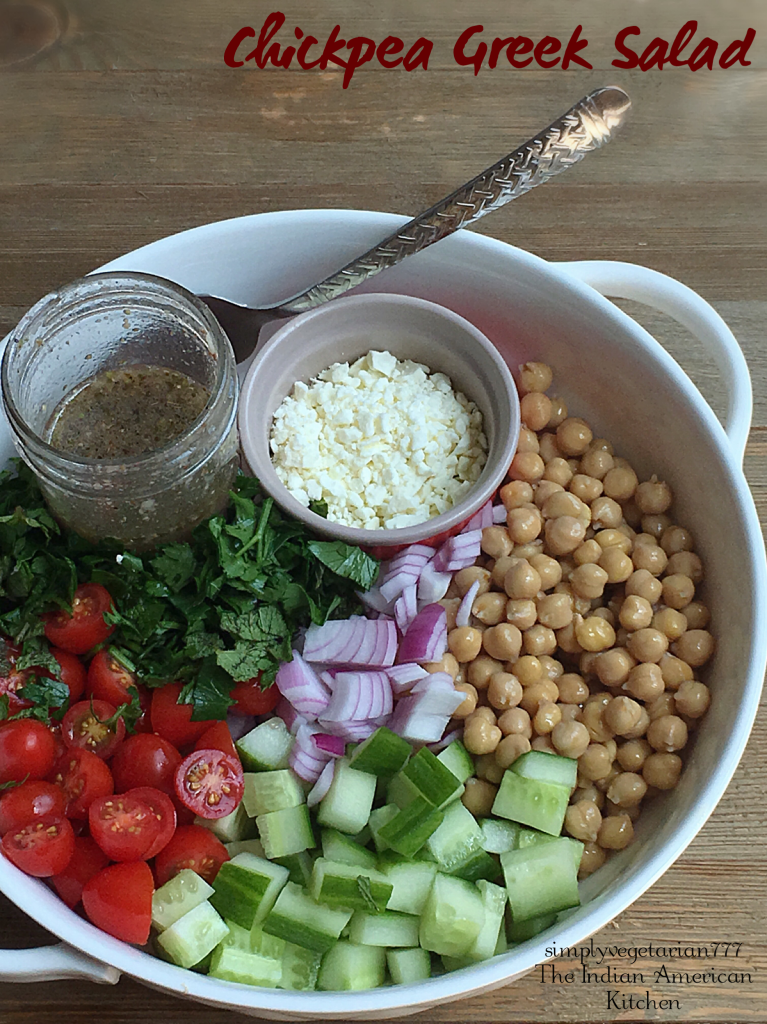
pixel 585 127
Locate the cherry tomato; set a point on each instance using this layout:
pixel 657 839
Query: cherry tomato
pixel 72 672
pixel 119 901
pixel 173 721
pixel 217 737
pixel 85 725
pixel 162 808
pixel 85 627
pixel 108 679
pixel 42 848
pixel 192 847
pixel 87 860
pixel 210 783
pixel 145 760
pixel 84 778
pixel 124 826
pixel 31 800
pixel 27 749
pixel 252 700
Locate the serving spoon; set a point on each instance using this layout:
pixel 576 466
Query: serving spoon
pixel 585 127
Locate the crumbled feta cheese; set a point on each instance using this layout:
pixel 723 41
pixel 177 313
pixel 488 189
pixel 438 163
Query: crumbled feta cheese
pixel 383 441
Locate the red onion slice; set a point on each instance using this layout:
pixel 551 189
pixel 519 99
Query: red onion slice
pixel 435 681
pixel 289 715
pixel 426 638
pixel 499 514
pixel 480 519
pixel 322 785
pixel 459 552
pixel 332 745
pixel 406 608
pixel 447 739
pixel 432 585
pixel 415 725
pixel 402 677
pixel 299 684
pixel 463 615
pixel 352 642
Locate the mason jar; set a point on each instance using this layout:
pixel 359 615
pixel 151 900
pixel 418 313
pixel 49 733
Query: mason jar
pixel 112 322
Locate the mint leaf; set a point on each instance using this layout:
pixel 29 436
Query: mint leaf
pixel 320 508
pixel 208 693
pixel 347 561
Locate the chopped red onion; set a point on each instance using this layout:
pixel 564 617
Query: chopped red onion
pixel 359 696
pixel 322 785
pixel 459 552
pixel 402 677
pixel 406 608
pixel 437 701
pixel 289 715
pixel 305 758
pixel 354 732
pixel 299 684
pixel 463 615
pixel 357 642
pixel 435 681
pixel 332 745
pixel 480 519
pixel 432 585
pixel 447 739
pixel 426 638
pixel 374 600
pixel 415 725
pixel 499 514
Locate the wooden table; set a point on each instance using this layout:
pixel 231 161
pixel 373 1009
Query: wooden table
pixel 128 127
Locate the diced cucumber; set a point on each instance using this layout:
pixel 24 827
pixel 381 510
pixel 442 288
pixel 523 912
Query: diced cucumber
pixel 426 776
pixel 458 760
pixel 409 829
pixel 494 900
pixel 411 879
pixel 388 928
pixel 253 846
pixel 521 931
pixel 541 805
pixel 345 850
pixel 300 968
pixel 499 836
pixel 266 747
pixel 246 888
pixel 271 791
pixel 297 918
pixel 299 865
pixel 266 945
pixel 378 818
pixel 453 916
pixel 456 839
pixel 347 804
pixel 406 966
pixel 286 831
pixel 382 753
pixel 350 968
pixel 479 865
pixel 193 936
pixel 238 937
pixel 182 893
pixel 546 767
pixel 541 879
pixel 531 837
pixel 232 828
pixel 231 964
pixel 349 885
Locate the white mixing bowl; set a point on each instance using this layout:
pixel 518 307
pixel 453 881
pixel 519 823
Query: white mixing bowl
pixel 617 376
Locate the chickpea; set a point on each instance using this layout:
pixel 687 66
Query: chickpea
pixel 545 691
pixel 538 640
pixel 596 462
pixel 667 733
pixel 645 682
pixel 588 552
pixel 523 525
pixel 647 644
pixel 613 538
pixel 675 539
pixel 595 634
pixel 656 525
pixel 481 669
pixel 649 556
pixel 490 608
pixel 549 449
pixel 620 483
pixel 569 712
pixel 595 762
pixel 516 720
pixel 572 688
pixel 670 622
pixel 570 739
pixel 653 497
pixel 546 718
pixel 631 514
pixel 664 704
pixel 488 768
pixel 592 716
pixel 552 668
pixel 695 647
pixel 588 792
pixel 555 611
pixel 447 663
pixel 548 569
pixel 528 669
pixel 564 534
pixel 662 770
pixel 521 581
pixel 592 859
pixel 587 488
pixel 496 541
pixel 616 832
pixel 502 642
pixel 582 821
pixel 521 613
pixel 674 671
pixel 500 567
pixel 469 702
pixel 642 583
pixel 686 563
pixel 558 412
pixel 485 713
pixel 678 591
pixel 535 377
pixel 640 728
pixel 544 744
pixel 635 613
pixel 616 564
pixel 632 754
pixel 480 737
pixel 574 436
pixel 692 698
pixel 504 691
pixel 563 503
pixel 478 797
pixel 465 579
pixel 622 715
pixel 528 551
pixel 606 513
pixel 527 466
pixel 589 580
pixel 697 615
pixel 510 748
pixel 566 638
pixel 464 643
pixel 614 666
pixel 557 472
pixel 606 781
pixel 516 493
pixel 535 409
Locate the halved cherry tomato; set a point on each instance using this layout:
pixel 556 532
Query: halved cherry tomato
pixel 145 760
pixel 192 847
pixel 124 826
pixel 252 700
pixel 210 783
pixel 119 901
pixel 173 721
pixel 108 679
pixel 217 737
pixel 87 860
pixel 162 808
pixel 85 627
pixel 31 800
pixel 85 726
pixel 27 750
pixel 42 848
pixel 72 672
pixel 84 778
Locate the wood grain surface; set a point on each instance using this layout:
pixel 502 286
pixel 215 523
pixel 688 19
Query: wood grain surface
pixel 120 124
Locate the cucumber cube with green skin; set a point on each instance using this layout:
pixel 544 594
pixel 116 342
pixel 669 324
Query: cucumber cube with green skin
pixel 193 936
pixel 479 865
pixel 541 879
pixel 383 753
pixel 344 849
pixel 266 945
pixel 297 918
pixel 378 818
pixel 541 805
pixel 300 968
pixel 347 804
pixel 409 829
pixel 266 747
pixel 351 968
pixel 411 881
pixel 407 966
pixel 182 893
pixel 286 831
pixel 299 865
pixel 498 836
pixel 271 791
pixel 232 828
pixel 231 964
pixel 238 937
pixel 456 839
pixel 531 837
pixel 458 760
pixel 388 928
pixel 546 767
pixel 494 899
pixel 452 918
pixel 253 846
pixel 349 885
pixel 521 931
pixel 246 888
pixel 426 776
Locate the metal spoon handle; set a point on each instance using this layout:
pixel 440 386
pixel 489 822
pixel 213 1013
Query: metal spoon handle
pixel 585 127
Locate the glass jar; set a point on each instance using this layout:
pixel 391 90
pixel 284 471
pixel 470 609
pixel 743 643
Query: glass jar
pixel 108 322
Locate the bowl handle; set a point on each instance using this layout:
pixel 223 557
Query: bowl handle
pixel 54 963
pixel 666 295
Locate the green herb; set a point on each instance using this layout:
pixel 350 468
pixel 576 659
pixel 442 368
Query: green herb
pixel 50 699
pixel 11 784
pixel 319 507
